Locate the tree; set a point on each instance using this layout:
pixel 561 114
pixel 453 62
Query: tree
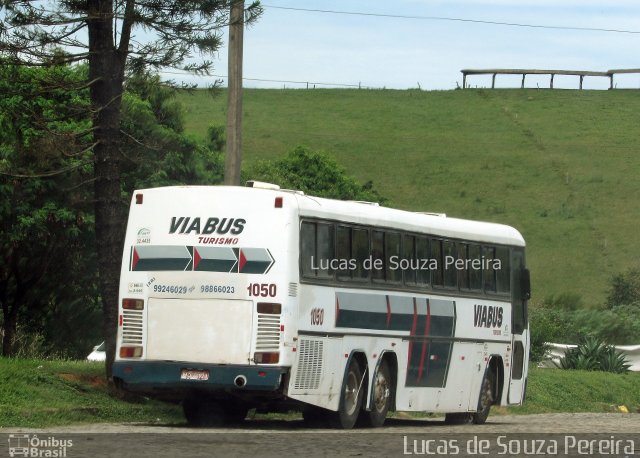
pixel 33 34
pixel 314 173
pixel 45 220
pixel 624 288
pixel 48 285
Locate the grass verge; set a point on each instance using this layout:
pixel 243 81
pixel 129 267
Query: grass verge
pixel 52 393
pixel 557 390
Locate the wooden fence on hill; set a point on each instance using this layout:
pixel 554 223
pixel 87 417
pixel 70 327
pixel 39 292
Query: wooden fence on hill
pixel 524 72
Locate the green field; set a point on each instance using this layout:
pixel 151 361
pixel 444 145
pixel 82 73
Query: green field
pixel 562 166
pixel 38 394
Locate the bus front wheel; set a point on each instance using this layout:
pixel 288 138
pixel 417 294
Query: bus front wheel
pixel 350 397
pixel 485 399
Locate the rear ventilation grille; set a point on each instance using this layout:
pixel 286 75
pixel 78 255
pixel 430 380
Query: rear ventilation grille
pixel 268 336
pixel 293 289
pixel 309 365
pixel 132 327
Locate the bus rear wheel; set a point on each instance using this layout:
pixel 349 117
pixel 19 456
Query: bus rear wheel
pixel 204 411
pixel 350 397
pixel 381 390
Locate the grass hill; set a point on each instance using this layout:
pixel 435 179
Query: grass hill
pixel 561 166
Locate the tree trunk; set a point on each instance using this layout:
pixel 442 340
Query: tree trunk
pixel 106 69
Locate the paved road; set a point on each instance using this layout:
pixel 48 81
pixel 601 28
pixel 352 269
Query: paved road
pixel 505 435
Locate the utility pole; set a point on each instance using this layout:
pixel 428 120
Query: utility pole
pixel 233 157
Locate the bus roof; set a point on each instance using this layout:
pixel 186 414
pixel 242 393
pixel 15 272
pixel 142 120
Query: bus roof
pixel 429 223
pixel 369 214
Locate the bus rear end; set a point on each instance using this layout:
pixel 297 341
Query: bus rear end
pixel 203 298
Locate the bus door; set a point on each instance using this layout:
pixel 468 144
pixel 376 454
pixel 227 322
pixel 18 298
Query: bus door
pixel 520 293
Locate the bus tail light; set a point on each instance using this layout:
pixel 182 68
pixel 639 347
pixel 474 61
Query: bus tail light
pixel 278 202
pixel 269 308
pixel 139 199
pixel 133 304
pixel 265 357
pixel 130 352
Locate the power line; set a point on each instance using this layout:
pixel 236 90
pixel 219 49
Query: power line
pixel 454 19
pixel 263 80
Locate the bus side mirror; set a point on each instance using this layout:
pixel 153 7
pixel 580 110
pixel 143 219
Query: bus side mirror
pixel 525 284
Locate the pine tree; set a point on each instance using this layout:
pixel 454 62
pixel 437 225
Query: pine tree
pixel 114 38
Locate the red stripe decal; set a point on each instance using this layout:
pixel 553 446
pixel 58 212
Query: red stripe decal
pixel 337 309
pixel 388 311
pixel 413 328
pixel 424 344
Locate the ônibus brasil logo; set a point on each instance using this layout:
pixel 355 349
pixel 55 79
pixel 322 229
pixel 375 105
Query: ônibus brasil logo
pixel 33 446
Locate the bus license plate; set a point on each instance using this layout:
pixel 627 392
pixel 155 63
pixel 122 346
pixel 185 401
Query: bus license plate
pixel 194 374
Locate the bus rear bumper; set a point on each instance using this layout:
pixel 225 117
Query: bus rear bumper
pixel 149 376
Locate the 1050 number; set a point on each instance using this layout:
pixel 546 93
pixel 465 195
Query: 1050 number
pixel 262 289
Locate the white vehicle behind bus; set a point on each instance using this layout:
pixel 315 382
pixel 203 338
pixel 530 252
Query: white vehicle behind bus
pixel 234 298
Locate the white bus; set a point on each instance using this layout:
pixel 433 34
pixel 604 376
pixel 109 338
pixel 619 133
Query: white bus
pixel 234 298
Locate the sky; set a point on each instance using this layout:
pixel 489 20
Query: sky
pixel 434 40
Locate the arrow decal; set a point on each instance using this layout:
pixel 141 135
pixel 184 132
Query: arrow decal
pixel 171 258
pixel 255 261
pixel 214 259
pixel 161 257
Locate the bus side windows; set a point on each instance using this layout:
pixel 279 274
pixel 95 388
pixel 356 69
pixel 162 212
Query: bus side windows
pixel 475 272
pixel 325 248
pixel 489 273
pixel 408 259
pixel 307 249
pixel 437 276
pixel 360 252
pixel 377 255
pixel 450 270
pixel 463 274
pixel 422 257
pixel 504 274
pixel 343 252
pixel 392 251
pixel 470 276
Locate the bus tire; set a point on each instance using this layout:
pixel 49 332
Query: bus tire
pixel 458 418
pixel 315 416
pixel 235 412
pixel 201 411
pixel 382 390
pixel 350 397
pixel 485 400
